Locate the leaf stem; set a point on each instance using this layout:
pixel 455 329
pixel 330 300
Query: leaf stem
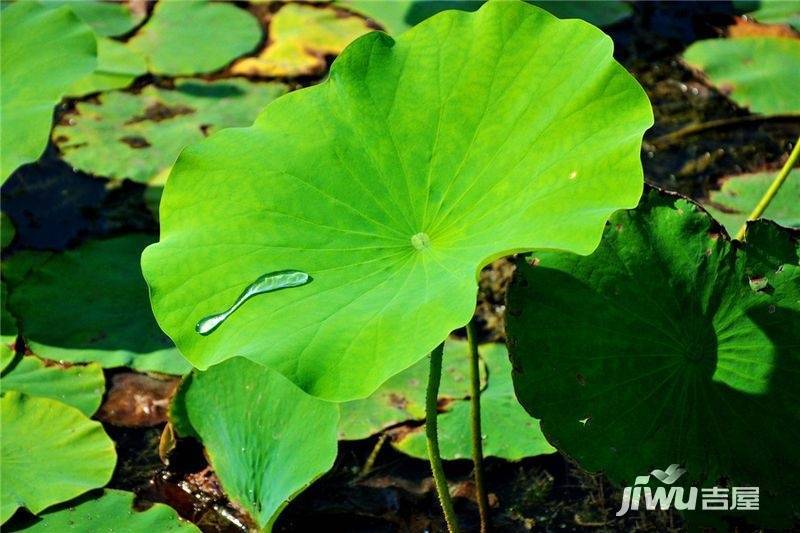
pixel 432 434
pixel 477 434
pixel 773 189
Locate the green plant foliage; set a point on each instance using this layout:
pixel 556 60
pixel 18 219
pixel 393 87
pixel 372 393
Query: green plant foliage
pixel 81 387
pixel 90 304
pixel 8 330
pixel 107 19
pixel 772 11
pixel 111 511
pixel 732 203
pixel 402 398
pixel 300 36
pixel 183 38
pixel 7 230
pixel 265 438
pixel 667 345
pixel 392 184
pixel 117 67
pixel 758 72
pixel 398 16
pixel 51 453
pixel 508 431
pixel 139 136
pixel 43 52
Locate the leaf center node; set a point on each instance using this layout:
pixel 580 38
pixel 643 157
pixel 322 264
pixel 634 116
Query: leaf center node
pixel 420 241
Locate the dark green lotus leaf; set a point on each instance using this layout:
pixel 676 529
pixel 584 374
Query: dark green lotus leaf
pixel 759 73
pixel 43 52
pixel 400 15
pixel 117 67
pixel 508 431
pixel 669 344
pixel 402 398
pixel 183 38
pixel 265 438
pixel 417 162
pixel 107 19
pixel 7 230
pixel 771 11
pixel 81 386
pixel 51 453
pixel 90 304
pixel 110 510
pixel 139 136
pixel 737 197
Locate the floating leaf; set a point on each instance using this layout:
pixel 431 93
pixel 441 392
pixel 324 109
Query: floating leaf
pixel 772 11
pixel 300 36
pixel 402 398
pixel 107 19
pixel 400 15
pixel 659 349
pixel 90 304
pixel 81 387
pixel 508 431
pixel 44 51
pixel 392 184
pixel 51 453
pixel 139 136
pixel 758 72
pixel 8 330
pixel 7 230
pixel 732 203
pixel 183 38
pixel 265 438
pixel 111 511
pixel 117 67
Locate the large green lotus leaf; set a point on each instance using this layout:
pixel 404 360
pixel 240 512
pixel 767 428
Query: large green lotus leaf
pixel 759 73
pixel 90 304
pixel 51 453
pixel 139 136
pixel 43 52
pixel 265 438
pixel 772 11
pixel 111 511
pixel 117 67
pixel 402 397
pixel 183 38
pixel 737 197
pixel 107 19
pixel 669 344
pixel 81 386
pixel 420 160
pixel 300 36
pixel 507 430
pixel 398 16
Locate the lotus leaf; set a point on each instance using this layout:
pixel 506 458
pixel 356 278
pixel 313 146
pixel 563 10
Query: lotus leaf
pixel 111 511
pixel 139 136
pixel 183 38
pixel 668 345
pixel 732 203
pixel 419 161
pixel 107 19
pixel 7 230
pixel 44 51
pixel 81 386
pixel 90 304
pixel 772 11
pixel 402 398
pixel 400 15
pixel 117 67
pixel 8 330
pixel 759 73
pixel 51 453
pixel 265 438
pixel 300 38
pixel 508 431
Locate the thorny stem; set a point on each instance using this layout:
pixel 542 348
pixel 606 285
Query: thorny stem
pixel 477 435
pixel 432 434
pixel 773 189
